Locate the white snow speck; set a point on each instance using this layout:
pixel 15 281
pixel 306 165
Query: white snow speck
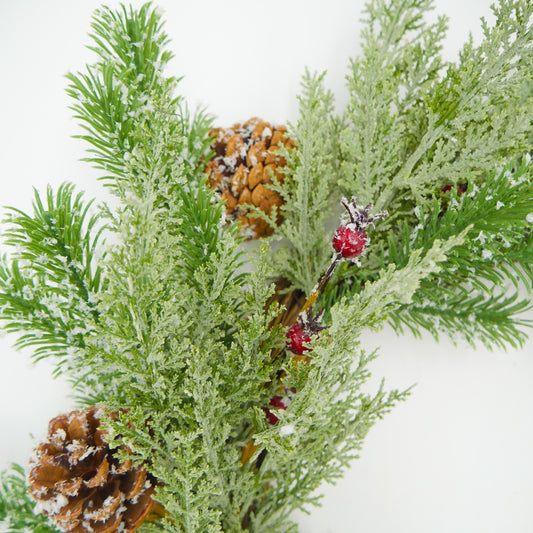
pixel 529 218
pixel 481 237
pixel 287 430
pixel 52 506
pixel 486 254
pixel 499 205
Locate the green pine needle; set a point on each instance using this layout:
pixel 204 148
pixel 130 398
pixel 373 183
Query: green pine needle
pixel 17 510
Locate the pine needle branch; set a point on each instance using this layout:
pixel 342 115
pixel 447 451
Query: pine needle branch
pixel 120 92
pixel 493 320
pixel 49 286
pixel 497 249
pixel 18 512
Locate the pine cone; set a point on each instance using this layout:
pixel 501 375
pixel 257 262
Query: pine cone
pixel 81 486
pixel 242 169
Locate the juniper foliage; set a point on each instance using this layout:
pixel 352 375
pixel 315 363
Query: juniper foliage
pixel 308 189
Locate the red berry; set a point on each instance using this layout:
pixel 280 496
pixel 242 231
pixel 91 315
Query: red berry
pixel 276 401
pixel 461 188
pixel 349 241
pixel 297 337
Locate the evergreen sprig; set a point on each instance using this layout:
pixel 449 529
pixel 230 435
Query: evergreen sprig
pixel 18 511
pixel 409 130
pixel 173 327
pixel 50 282
pixel 119 93
pixel 385 117
pixel 308 188
pixel 467 297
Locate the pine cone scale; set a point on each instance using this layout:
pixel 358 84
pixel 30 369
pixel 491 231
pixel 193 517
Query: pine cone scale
pixel 101 475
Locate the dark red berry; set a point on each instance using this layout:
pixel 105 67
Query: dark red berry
pixel 461 188
pixel 349 241
pixel 297 337
pixel 276 401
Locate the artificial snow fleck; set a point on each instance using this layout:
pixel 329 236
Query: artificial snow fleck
pixel 52 506
pixel 486 254
pixel 528 158
pixel 60 434
pixel 454 203
pixel 482 238
pixel 287 430
pixel 475 190
pixel 499 205
pixel 529 218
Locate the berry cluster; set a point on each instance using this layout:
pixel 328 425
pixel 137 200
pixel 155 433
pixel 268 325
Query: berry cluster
pixel 349 242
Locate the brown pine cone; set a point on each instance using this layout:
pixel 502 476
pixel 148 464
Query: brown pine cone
pixel 245 159
pixel 81 486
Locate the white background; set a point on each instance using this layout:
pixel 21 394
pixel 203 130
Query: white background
pixel 458 455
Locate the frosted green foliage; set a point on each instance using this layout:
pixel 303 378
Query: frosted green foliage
pixel 388 86
pixel 411 130
pixel 308 187
pixel 120 92
pixel 415 125
pixel 190 354
pixel 50 282
pixel 325 424
pixel 470 298
pixel 184 344
pixel 17 509
pixel 183 339
pixel 171 325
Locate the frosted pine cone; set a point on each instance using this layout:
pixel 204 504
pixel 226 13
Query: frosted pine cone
pixel 81 486
pixel 245 159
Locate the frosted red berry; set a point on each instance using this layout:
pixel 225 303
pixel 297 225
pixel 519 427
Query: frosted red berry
pixel 297 337
pixel 278 402
pixel 349 241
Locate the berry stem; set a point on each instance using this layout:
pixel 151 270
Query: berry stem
pixel 319 287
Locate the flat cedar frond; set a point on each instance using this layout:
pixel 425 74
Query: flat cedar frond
pixel 308 188
pixel 497 248
pixel 385 117
pixel 398 152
